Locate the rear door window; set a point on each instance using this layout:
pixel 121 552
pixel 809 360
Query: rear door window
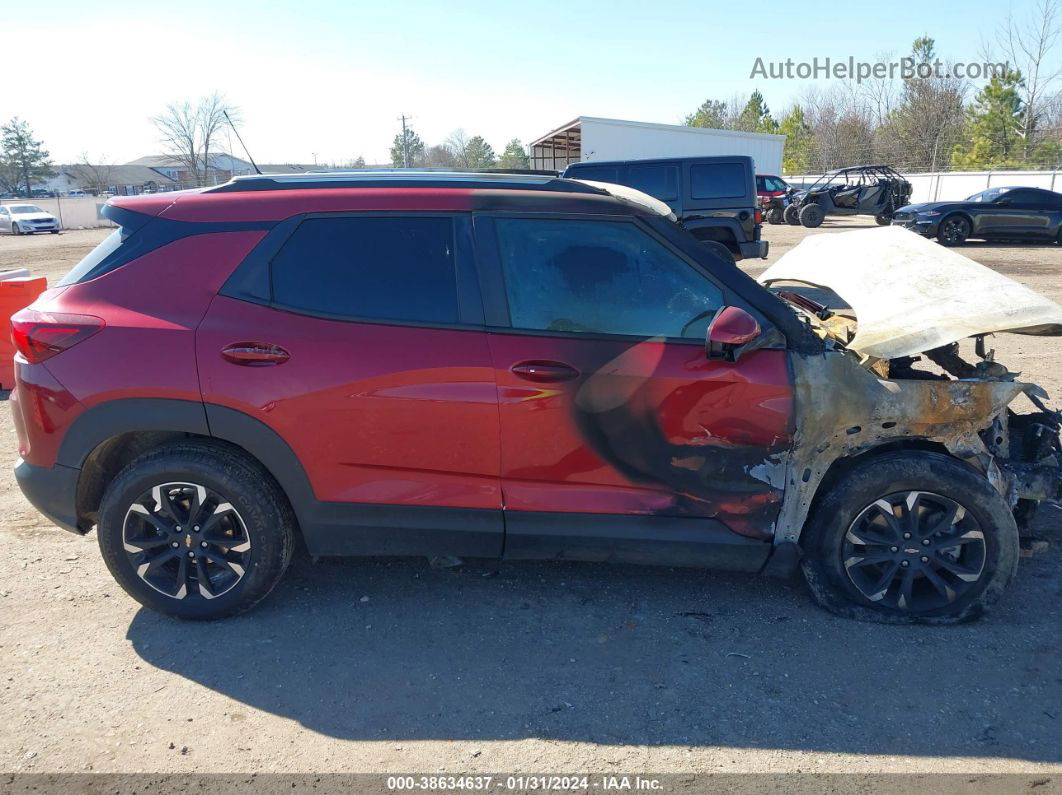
pixel 658 181
pixel 383 268
pixel 718 181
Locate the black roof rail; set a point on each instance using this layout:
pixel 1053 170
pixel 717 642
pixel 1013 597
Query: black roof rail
pixel 504 180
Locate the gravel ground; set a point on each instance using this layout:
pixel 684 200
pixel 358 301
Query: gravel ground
pixel 390 665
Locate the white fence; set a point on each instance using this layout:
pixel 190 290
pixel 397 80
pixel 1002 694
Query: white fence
pixel 76 212
pixel 955 185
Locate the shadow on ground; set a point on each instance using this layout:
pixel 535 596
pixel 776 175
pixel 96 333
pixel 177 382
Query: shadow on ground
pixel 628 656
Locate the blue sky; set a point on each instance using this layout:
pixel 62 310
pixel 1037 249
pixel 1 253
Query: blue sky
pixel 331 77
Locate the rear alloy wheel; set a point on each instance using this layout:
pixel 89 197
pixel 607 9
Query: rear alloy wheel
pixel 953 230
pixel 184 538
pixel 792 215
pixel 195 530
pixel 910 537
pixel 811 216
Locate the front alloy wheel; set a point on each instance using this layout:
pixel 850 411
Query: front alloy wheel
pixel 909 536
pixel 915 551
pixel 953 230
pixel 183 538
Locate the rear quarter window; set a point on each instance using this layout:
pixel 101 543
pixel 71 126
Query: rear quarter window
pixel 718 181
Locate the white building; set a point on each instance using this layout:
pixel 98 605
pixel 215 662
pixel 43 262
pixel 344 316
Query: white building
pixel 592 138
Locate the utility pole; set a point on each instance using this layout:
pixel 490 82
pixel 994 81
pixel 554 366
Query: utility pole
pixel 405 140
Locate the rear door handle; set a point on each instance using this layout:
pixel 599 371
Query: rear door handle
pixel 544 371
pixel 255 354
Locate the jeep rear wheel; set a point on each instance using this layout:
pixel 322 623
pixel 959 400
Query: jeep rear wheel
pixel 195 531
pixel 911 537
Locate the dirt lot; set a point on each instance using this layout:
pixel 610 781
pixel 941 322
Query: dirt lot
pixel 365 665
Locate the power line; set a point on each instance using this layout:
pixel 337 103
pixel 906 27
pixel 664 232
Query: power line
pixel 405 140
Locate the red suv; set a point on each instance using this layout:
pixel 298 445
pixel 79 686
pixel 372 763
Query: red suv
pixel 489 366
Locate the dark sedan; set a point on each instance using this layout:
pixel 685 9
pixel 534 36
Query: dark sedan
pixel 1016 213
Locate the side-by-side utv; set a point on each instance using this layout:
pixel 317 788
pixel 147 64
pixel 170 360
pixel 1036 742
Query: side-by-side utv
pixel 857 190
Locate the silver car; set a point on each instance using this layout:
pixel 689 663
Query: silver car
pixel 25 219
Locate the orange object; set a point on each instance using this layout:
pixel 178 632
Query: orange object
pixel 15 294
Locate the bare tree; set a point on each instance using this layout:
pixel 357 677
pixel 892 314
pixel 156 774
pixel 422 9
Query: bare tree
pixel 189 132
pixel 880 93
pixel 1027 45
pixel 94 177
pixel 212 112
pixel 457 143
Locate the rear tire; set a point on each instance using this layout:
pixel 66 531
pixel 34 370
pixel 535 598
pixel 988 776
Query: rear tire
pixel 883 219
pixel 812 216
pixel 942 553
pixel 196 531
pixel 791 215
pixel 775 215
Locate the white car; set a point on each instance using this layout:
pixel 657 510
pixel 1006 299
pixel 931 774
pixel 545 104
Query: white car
pixel 25 219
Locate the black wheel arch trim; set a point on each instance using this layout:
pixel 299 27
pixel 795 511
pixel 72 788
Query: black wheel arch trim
pixel 326 526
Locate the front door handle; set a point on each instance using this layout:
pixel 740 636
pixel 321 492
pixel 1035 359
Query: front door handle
pixel 543 372
pixel 255 354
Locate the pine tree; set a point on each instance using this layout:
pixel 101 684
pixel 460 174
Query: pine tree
pixel 514 156
pixel 796 158
pixel 23 160
pixel 993 126
pixel 411 146
pixel 756 116
pixel 711 113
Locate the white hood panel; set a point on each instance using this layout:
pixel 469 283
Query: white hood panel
pixel 910 294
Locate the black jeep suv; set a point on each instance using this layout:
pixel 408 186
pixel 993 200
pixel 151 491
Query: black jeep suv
pixel 713 197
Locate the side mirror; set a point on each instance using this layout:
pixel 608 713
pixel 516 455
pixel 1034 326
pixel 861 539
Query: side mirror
pixel 732 328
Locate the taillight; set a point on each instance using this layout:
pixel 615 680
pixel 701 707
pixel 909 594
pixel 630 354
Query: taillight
pixel 759 216
pixel 41 335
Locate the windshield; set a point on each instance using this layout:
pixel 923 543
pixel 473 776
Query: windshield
pixel 24 209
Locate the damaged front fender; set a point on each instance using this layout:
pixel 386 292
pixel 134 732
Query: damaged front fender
pixel 843 409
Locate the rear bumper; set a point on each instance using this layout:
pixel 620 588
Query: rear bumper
pixel 52 491
pixel 754 249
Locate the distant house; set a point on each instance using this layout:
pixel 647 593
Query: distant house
pixel 117 180
pixel 222 168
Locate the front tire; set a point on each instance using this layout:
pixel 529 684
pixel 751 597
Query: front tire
pixel 883 219
pixel 811 216
pixel 910 537
pixel 953 230
pixel 195 531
